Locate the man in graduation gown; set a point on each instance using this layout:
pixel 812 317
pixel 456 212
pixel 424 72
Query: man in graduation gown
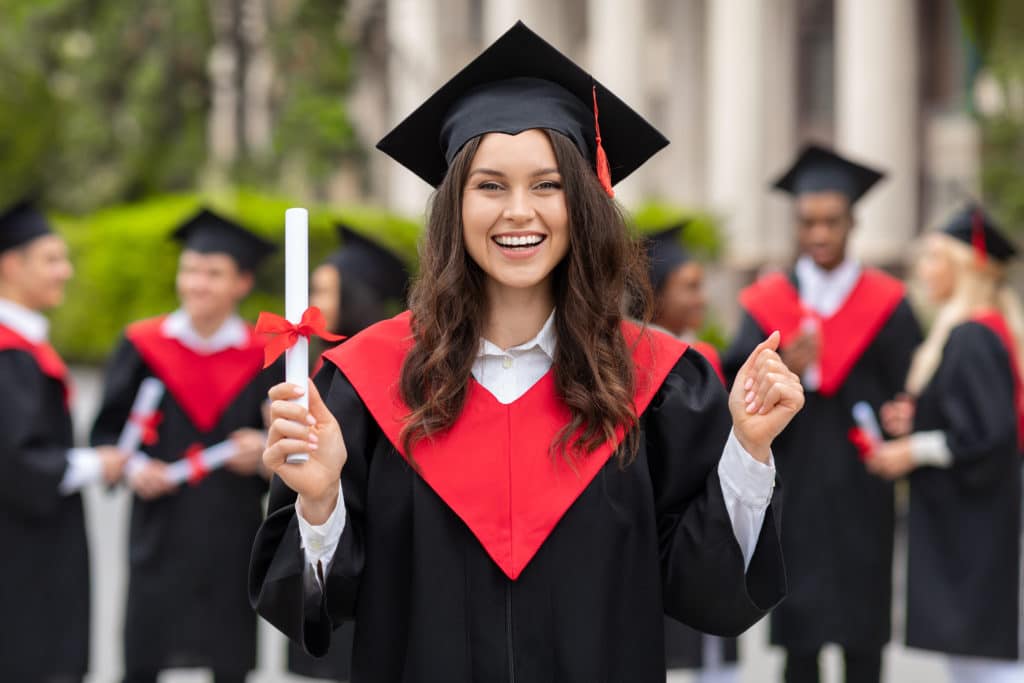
pixel 44 574
pixel 354 288
pixel 189 545
pixel 677 282
pixel 849 332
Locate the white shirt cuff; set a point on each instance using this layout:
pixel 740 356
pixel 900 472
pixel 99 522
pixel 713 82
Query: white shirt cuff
pixel 84 468
pixel 930 448
pixel 747 486
pixel 320 541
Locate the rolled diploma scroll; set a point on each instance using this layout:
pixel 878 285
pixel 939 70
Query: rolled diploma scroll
pixel 146 400
pixel 296 301
pixel 213 458
pixel 864 416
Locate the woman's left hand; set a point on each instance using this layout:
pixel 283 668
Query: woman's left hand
pixel 891 459
pixel 764 398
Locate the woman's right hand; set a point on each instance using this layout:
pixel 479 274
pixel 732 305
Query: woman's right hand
pixel 294 429
pixel 898 416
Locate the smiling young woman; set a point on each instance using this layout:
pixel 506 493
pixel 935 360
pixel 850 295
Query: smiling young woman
pixel 509 481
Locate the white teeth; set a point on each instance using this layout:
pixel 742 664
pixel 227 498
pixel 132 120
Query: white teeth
pixel 519 240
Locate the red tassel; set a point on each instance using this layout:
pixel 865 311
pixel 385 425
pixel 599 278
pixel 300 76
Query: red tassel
pixel 978 238
pixel 604 173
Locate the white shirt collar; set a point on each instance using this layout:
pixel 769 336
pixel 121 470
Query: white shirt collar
pixel 32 325
pixel 233 333
pixel 825 291
pixel 544 340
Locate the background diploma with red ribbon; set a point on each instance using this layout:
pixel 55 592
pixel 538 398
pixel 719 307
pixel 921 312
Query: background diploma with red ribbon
pixel 144 419
pixel 290 334
pixel 867 435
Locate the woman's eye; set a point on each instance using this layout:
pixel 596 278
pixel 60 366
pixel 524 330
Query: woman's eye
pixel 549 185
pixel 489 186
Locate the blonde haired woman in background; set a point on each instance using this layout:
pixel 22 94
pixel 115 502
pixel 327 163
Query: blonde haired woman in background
pixel 960 445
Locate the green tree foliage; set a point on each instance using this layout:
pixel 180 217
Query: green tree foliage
pixel 103 101
pixel 996 30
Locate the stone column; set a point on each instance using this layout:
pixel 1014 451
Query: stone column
pixel 877 118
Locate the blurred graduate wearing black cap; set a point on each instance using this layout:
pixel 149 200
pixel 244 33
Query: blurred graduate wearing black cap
pixel 677 282
pixel 357 285
pixel 440 508
pixel 961 445
pixel 849 332
pixel 188 545
pixel 45 571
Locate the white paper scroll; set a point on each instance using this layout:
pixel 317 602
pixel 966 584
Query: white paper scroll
pixel 864 416
pixel 146 400
pixel 296 301
pixel 213 458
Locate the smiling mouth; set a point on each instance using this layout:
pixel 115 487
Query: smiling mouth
pixel 514 242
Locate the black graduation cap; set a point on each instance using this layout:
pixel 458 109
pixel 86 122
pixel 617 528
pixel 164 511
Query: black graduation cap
pixel 818 169
pixel 207 232
pixel 518 83
pixel 665 254
pixel 364 259
pixel 971 224
pixel 22 223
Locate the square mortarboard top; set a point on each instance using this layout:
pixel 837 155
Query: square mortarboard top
pixel 665 254
pixel 207 232
pixel 364 259
pixel 973 225
pixel 21 223
pixel 818 169
pixel 519 83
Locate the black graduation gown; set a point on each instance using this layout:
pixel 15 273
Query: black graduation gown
pixel 838 538
pixel 963 582
pixel 188 551
pixel 44 573
pixel 336 663
pixel 430 600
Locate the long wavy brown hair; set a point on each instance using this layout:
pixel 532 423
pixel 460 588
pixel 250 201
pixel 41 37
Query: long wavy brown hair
pixel 593 366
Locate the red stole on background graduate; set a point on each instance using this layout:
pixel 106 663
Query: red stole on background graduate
pixel 995 321
pixel 774 303
pixel 494 467
pixel 46 357
pixel 204 385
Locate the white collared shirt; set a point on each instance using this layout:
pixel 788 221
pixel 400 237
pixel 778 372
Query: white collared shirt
pixel 232 333
pixel 508 374
pixel 824 292
pixel 84 465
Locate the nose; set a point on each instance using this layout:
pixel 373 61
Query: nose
pixel 519 209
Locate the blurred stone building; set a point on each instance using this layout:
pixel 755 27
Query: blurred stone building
pixel 737 85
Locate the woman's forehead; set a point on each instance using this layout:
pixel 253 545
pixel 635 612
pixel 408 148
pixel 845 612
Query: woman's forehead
pixel 503 152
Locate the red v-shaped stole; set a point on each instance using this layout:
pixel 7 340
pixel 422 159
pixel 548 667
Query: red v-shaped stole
pixel 46 357
pixel 995 321
pixel 204 385
pixel 493 467
pixel 774 303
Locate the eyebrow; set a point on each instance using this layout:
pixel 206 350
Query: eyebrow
pixel 490 171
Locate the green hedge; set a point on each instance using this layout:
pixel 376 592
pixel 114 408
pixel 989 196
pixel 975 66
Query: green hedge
pixel 125 262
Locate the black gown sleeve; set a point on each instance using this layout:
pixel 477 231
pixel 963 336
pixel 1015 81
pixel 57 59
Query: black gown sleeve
pixel 122 377
pixel 743 344
pixel 276 588
pixel 974 387
pixel 705 585
pixel 31 465
pixel 899 337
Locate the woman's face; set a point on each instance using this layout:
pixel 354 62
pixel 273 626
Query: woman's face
pixel 681 301
pixel 936 270
pixel 515 220
pixel 325 294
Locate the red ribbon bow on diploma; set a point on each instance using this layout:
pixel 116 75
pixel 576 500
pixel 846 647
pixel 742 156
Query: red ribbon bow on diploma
pixel 862 441
pixel 148 424
pixel 282 335
pixel 196 467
